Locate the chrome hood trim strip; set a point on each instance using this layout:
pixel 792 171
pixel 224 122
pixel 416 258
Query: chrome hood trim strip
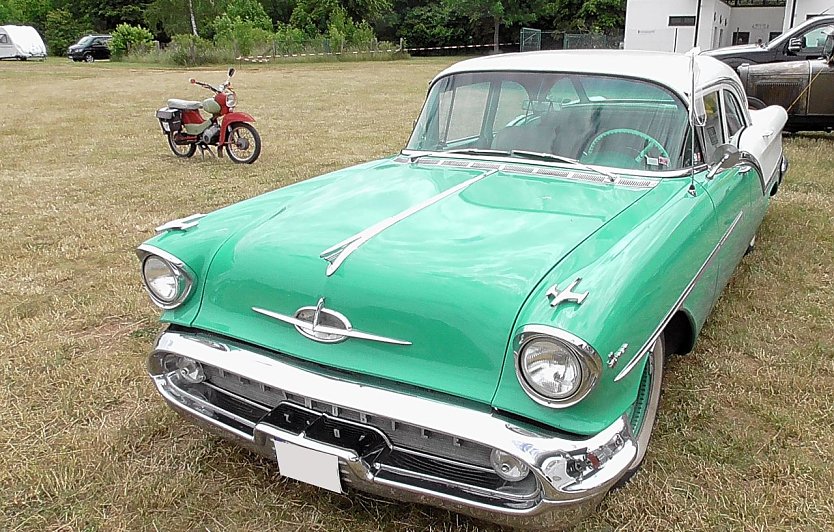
pixel 338 253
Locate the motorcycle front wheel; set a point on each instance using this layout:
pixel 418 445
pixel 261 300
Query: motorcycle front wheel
pixel 181 150
pixel 243 143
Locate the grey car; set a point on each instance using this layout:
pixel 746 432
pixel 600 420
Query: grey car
pixel 804 88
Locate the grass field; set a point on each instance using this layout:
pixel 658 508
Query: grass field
pixel 87 444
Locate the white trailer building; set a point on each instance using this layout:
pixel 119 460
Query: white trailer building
pixel 678 25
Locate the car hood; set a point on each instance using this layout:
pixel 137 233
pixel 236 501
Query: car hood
pixel 447 279
pixel 734 50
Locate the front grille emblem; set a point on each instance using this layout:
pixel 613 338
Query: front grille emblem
pixel 324 325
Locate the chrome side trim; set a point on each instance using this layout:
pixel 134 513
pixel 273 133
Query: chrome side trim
pixel 338 253
pixel 348 332
pixel 585 352
pixel 180 224
pixel 638 356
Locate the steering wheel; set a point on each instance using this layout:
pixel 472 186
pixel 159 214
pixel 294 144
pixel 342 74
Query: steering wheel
pixel 652 142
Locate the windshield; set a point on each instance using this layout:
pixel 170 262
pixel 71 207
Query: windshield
pixel 85 40
pixel 598 120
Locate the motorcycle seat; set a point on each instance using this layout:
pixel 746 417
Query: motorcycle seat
pixel 185 105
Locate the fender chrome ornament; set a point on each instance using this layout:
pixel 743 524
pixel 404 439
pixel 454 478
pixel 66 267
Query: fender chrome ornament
pixel 615 356
pixel 324 325
pixel 563 296
pixel 180 224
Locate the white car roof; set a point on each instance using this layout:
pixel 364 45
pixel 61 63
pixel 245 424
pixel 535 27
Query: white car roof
pixel 665 68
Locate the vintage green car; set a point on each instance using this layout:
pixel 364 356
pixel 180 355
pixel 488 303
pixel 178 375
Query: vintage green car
pixel 480 322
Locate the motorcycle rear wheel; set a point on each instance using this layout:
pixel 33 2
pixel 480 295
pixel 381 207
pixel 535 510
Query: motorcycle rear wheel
pixel 243 143
pixel 181 150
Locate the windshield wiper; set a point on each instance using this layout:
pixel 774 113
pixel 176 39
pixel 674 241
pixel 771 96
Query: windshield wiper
pixel 559 158
pixel 464 151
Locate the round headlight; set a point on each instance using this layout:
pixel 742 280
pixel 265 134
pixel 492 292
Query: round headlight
pixel 231 100
pixel 167 284
pixel 551 368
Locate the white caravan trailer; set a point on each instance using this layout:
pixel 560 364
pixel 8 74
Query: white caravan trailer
pixel 21 42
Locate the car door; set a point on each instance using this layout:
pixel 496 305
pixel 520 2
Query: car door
pixel 735 192
pixel 821 92
pixel 811 42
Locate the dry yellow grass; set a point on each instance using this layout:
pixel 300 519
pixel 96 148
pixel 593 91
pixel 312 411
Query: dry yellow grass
pixel 86 444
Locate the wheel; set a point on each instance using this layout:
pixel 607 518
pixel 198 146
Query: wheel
pixel 644 410
pixel 89 58
pixel 243 143
pixel 181 150
pixel 755 103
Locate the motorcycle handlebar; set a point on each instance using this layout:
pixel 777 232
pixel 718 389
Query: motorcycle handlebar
pixel 206 85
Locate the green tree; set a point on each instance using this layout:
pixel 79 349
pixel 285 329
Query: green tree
pixel 61 29
pixel 183 16
pixel 314 16
pixel 497 11
pixel 432 25
pixel 107 14
pixel 586 15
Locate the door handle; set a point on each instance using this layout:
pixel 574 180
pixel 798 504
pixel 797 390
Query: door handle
pixel 767 134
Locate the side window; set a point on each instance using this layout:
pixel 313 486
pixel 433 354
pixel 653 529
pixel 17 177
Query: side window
pixel 814 40
pixel 713 130
pixel 4 39
pixel 733 113
pixel 464 106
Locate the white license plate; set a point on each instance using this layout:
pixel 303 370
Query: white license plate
pixel 309 466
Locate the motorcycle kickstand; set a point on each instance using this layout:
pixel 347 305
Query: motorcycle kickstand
pixel 203 149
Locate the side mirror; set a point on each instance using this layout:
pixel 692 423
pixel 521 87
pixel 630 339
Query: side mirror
pixel 795 45
pixel 192 81
pixel 725 157
pixel 231 72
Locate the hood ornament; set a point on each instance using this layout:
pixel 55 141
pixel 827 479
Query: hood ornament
pixel 324 325
pixel 563 296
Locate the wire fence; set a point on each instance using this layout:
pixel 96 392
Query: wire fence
pixel 532 39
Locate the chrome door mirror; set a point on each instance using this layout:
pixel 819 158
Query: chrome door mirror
pixel 795 45
pixel 725 157
pixel 231 72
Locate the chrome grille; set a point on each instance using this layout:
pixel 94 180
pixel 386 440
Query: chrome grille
pixel 401 434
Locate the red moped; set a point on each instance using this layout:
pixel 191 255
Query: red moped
pixel 227 129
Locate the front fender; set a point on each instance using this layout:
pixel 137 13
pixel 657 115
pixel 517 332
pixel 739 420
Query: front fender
pixel 232 118
pixel 636 269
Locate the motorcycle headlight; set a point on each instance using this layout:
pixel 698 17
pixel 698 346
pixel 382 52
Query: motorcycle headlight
pixel 231 100
pixel 165 278
pixel 554 367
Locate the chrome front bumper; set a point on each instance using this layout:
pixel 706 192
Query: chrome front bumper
pixel 571 475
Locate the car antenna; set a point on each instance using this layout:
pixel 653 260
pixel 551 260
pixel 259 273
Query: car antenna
pixel 693 115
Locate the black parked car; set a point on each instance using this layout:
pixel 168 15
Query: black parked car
pixel 89 48
pixel 800 43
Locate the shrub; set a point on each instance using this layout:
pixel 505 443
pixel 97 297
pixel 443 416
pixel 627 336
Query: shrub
pixel 126 37
pixel 62 29
pixel 241 35
pixel 190 50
